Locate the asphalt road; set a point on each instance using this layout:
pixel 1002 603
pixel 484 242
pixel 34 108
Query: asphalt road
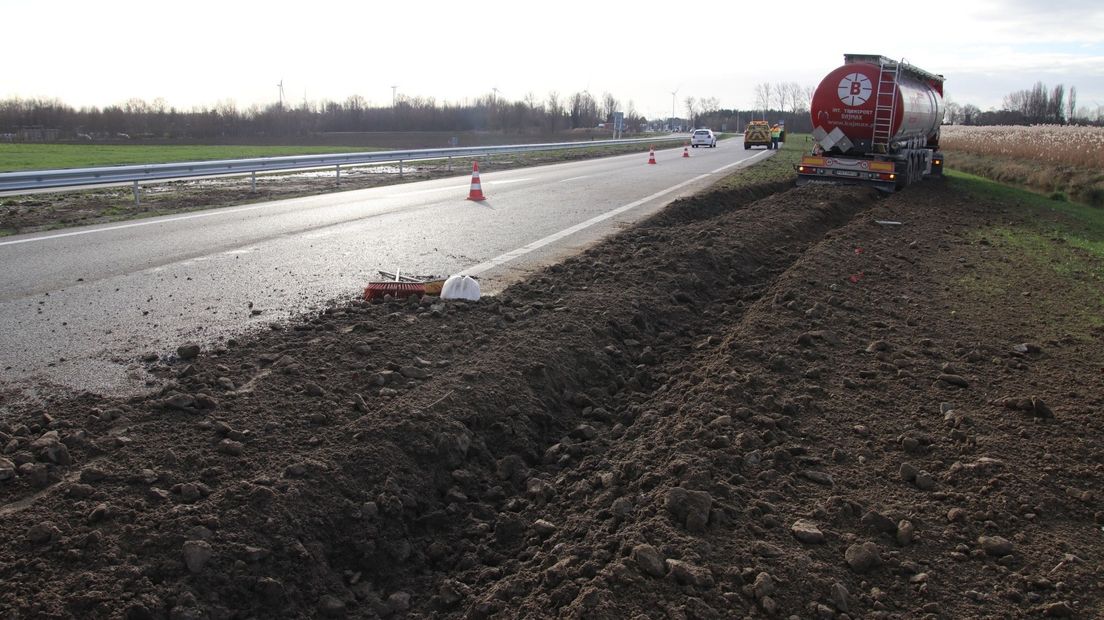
pixel 79 308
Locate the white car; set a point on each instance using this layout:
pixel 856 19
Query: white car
pixel 703 137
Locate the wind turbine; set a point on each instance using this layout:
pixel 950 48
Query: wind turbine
pixel 494 99
pixel 394 88
pixel 281 87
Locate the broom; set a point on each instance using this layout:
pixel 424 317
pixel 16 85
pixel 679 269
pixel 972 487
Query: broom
pixel 394 288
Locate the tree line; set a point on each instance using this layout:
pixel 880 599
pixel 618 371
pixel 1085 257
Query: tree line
pixel 1038 105
pixel 36 120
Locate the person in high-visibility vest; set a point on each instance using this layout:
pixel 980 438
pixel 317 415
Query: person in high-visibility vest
pixel 776 133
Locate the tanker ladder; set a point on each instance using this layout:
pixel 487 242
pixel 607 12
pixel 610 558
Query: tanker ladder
pixel 885 102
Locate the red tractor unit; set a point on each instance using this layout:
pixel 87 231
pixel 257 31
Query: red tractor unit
pixel 876 122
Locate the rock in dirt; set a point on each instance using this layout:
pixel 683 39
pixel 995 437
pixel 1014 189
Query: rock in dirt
pixel 996 546
pixel 908 472
pixel 1030 404
pixel 331 606
pixel 863 558
pixel 543 528
pixel 924 481
pixel 649 560
pixel 689 574
pixel 807 532
pixel 1061 609
pixel 187 351
pixel 840 597
pixel 906 532
pixel 7 469
pixel 810 338
pixel 690 508
pixel 398 602
pixel 955 380
pixel 818 477
pixel 48 448
pixel 763 586
pixel 878 522
pixel 196 555
pixel 43 533
pixel 230 447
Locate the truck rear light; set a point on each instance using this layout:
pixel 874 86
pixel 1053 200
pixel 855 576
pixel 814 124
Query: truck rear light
pixel 938 162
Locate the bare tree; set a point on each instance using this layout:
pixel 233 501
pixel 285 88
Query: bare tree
pixel 1056 107
pixel 952 112
pixel 554 110
pixel 780 95
pixel 691 110
pixel 795 97
pixel 970 114
pixel 609 106
pixel 763 97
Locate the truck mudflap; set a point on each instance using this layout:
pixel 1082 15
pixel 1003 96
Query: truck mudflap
pixel 844 171
pixel 935 165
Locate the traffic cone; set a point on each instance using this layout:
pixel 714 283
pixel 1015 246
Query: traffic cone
pixel 476 192
pixel 651 155
pixel 685 151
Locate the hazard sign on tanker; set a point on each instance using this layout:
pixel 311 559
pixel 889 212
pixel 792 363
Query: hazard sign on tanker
pixel 875 110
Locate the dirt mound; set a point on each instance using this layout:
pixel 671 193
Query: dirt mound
pixel 742 406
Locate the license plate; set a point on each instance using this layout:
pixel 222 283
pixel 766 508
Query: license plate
pixel 846 173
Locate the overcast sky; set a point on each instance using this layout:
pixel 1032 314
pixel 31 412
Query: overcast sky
pixel 200 53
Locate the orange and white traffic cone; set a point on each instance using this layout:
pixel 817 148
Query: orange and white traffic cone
pixel 651 155
pixel 685 151
pixel 476 192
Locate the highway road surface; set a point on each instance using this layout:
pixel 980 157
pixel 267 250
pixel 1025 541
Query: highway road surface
pixel 81 307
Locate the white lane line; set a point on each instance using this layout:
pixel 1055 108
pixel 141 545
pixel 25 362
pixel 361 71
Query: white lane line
pixel 540 243
pixel 585 176
pixel 136 224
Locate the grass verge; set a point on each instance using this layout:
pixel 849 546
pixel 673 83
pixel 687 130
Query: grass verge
pixel 1046 245
pixel 775 169
pixel 1061 182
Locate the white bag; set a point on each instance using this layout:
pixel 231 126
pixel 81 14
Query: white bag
pixel 461 287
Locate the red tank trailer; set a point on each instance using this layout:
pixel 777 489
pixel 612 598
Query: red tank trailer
pixel 876 122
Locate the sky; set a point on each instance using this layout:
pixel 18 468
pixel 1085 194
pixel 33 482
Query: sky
pixel 204 53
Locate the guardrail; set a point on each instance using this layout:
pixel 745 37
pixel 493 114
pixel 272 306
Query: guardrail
pixel 37 180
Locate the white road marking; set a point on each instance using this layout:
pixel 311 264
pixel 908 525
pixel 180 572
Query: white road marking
pixel 136 224
pixel 540 243
pixel 585 176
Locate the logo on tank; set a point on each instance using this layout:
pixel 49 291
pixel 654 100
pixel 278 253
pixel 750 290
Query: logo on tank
pixel 855 89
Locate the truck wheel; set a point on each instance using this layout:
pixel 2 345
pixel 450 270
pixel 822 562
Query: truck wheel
pixel 747 147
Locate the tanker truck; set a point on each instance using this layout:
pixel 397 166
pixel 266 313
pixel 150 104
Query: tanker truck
pixel 875 122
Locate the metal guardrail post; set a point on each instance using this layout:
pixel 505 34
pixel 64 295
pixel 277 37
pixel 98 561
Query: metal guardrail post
pixel 137 195
pixel 400 168
pixel 253 182
pixel 450 163
pixel 338 174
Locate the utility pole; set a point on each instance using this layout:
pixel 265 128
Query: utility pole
pixel 393 89
pixel 494 97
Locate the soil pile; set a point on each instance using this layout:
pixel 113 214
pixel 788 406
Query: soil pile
pixel 762 404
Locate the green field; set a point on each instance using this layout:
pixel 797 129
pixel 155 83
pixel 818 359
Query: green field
pixel 17 157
